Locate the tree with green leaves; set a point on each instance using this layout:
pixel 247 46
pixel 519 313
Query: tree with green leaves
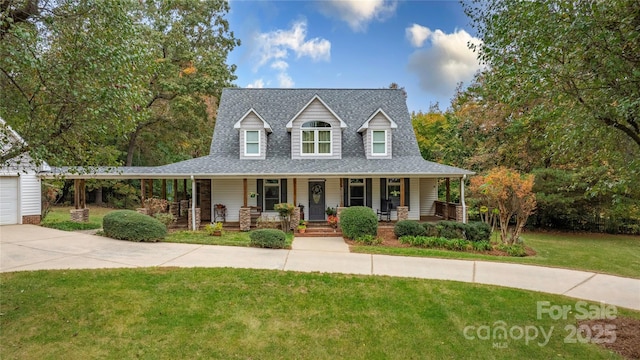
pixel 71 78
pixel 84 80
pixel 581 55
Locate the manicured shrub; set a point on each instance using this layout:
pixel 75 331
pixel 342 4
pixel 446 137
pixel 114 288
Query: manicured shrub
pixel 268 238
pixel 357 221
pixel 478 231
pixel 165 218
pixel 408 227
pixel 514 249
pixel 430 229
pixel 132 226
pixel 368 240
pixel 451 230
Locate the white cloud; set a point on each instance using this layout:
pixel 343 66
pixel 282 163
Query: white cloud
pixel 279 65
pixel 276 45
pixel 285 81
pixel 256 84
pixel 418 34
pixel 275 48
pixel 446 63
pixel 359 13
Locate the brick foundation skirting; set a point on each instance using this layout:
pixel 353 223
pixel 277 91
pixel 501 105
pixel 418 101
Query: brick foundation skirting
pixel 31 219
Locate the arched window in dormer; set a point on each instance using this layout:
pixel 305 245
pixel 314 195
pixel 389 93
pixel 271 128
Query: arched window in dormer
pixel 316 138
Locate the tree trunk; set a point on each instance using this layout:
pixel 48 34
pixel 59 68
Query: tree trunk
pixel 132 145
pixel 99 196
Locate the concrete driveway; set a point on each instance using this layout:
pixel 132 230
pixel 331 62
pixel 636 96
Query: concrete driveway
pixel 30 247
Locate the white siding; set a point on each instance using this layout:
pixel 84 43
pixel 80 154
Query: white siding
pixel 229 193
pixel 333 194
pixel 30 195
pixel 316 112
pixel 252 122
pixel 379 122
pixel 428 194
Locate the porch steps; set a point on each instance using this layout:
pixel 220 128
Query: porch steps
pixel 319 230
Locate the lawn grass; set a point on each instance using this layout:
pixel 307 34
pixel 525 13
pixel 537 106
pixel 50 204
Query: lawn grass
pixel 60 218
pixel 603 253
pixel 169 313
pixel 230 238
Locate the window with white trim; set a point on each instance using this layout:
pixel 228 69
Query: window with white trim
pixel 379 142
pixel 316 138
pixel 271 193
pixel 252 143
pixel 356 192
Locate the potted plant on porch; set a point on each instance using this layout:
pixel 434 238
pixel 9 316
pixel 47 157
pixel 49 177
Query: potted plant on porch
pixel 214 229
pixel 302 226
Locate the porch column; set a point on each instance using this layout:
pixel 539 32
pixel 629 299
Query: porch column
pixel 401 192
pixel 244 192
pixel 80 213
pixel 184 189
pixel 463 205
pixel 295 194
pixel 447 198
pixel 150 195
pixel 143 192
pixel 341 194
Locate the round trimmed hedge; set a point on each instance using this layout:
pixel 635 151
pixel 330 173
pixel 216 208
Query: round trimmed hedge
pixel 358 221
pixel 132 226
pixel 408 227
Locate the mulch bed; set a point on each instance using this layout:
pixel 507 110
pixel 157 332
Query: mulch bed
pixel 627 332
pixel 389 239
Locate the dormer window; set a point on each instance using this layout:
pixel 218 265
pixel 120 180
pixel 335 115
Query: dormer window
pixel 252 143
pixel 316 138
pixel 379 142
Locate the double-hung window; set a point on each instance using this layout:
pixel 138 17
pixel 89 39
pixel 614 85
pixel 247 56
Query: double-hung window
pixel 316 138
pixel 379 142
pixel 252 143
pixel 271 193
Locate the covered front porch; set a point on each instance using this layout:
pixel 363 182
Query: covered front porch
pixel 240 201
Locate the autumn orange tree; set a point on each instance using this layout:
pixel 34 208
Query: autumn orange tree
pixel 509 192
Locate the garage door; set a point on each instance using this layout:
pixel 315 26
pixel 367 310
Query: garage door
pixel 8 200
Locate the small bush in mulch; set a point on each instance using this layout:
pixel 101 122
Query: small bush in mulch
pixel 268 238
pixel 408 227
pixel 132 226
pixel 356 221
pixel 368 240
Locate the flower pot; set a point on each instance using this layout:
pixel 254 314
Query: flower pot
pixel 302 231
pixel 217 233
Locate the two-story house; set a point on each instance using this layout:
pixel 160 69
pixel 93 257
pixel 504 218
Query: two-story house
pixel 317 148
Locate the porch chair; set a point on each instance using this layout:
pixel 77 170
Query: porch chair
pixel 385 211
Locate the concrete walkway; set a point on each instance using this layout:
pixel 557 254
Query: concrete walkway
pixel 29 247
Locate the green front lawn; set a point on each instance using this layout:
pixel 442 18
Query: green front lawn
pixel 60 218
pixel 231 238
pixel 162 313
pixel 611 254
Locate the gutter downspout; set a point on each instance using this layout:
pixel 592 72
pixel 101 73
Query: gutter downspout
pixel 193 203
pixel 464 206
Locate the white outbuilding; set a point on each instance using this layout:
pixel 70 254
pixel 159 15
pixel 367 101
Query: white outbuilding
pixel 20 193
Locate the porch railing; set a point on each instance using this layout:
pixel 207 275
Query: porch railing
pixel 446 210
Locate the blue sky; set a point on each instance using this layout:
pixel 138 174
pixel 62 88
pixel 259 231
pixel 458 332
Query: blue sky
pixel 421 45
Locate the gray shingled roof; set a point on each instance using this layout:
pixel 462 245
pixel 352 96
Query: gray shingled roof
pixel 277 107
